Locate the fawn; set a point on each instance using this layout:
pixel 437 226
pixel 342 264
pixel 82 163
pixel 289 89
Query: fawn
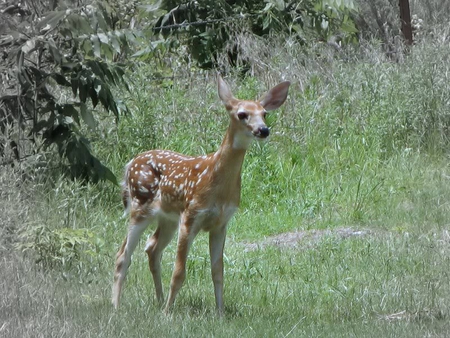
pixel 191 194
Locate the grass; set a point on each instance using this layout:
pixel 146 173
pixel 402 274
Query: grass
pixel 360 144
pixel 333 288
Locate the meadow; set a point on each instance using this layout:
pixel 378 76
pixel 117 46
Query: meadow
pixel 343 228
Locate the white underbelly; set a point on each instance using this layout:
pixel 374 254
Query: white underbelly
pixel 205 219
pixel 214 217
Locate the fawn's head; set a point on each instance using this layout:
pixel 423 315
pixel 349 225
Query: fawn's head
pixel 248 118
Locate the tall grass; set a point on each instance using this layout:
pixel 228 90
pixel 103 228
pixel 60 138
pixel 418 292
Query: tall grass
pixel 360 144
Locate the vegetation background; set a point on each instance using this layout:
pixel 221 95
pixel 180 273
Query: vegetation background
pixel 343 228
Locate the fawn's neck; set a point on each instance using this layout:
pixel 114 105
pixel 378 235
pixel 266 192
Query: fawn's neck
pixel 229 159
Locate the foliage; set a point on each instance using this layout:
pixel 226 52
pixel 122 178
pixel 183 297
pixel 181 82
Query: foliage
pixel 209 25
pixel 433 12
pixel 343 224
pixel 380 19
pixel 63 247
pixel 68 51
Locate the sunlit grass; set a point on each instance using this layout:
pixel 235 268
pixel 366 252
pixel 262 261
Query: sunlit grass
pixel 361 147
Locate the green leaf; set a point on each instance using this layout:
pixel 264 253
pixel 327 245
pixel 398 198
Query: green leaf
pixel 109 175
pixel 20 59
pixel 93 95
pixel 103 92
pixel 103 38
pixel 115 43
pixel 349 26
pixel 37 73
pixel 74 83
pixel 130 35
pixel 87 116
pixel 24 75
pixel 105 69
pixel 104 24
pixel 97 46
pixel 79 24
pixel 266 22
pixel 42 124
pixel 29 46
pixel 86 46
pixel 69 110
pixel 151 8
pixel 51 20
pixel 60 79
pixel 118 74
pixel 96 69
pixel 6 40
pixel 83 90
pixel 103 172
pixel 103 15
pixel 142 52
pixel 107 52
pixel 165 19
pixel 69 66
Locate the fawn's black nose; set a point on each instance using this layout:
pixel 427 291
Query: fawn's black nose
pixel 263 132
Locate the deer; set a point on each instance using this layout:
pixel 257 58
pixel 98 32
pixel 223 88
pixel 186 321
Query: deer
pixel 191 194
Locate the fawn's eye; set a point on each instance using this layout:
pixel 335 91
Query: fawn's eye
pixel 242 115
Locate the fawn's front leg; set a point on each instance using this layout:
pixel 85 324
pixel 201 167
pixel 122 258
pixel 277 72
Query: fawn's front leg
pixel 216 245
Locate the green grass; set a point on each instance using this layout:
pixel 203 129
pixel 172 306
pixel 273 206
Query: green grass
pixel 332 288
pixel 362 146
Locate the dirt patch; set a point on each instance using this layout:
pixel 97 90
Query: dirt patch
pixel 304 237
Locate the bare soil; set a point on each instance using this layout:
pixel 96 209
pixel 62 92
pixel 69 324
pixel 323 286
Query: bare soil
pixel 304 238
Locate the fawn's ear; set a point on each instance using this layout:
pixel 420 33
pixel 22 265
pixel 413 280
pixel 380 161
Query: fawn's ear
pixel 225 93
pixel 276 96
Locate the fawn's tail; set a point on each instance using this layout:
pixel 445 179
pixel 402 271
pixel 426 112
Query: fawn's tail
pixel 126 191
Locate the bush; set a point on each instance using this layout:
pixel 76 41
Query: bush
pixel 58 248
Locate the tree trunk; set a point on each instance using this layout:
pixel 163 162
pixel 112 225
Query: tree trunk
pixel 405 18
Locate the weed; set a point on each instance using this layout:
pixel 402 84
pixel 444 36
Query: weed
pixel 361 143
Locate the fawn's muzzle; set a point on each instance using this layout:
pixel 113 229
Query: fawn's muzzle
pixel 262 132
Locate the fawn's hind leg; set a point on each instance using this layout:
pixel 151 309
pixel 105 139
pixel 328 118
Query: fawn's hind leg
pixel 155 247
pixel 123 258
